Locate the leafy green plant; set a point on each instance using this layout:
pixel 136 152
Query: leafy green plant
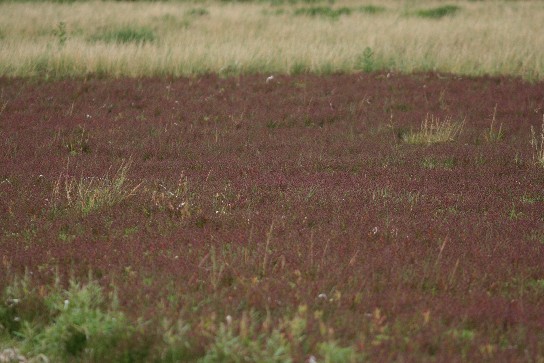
pixel 433 130
pixel 126 34
pixel 365 61
pixel 61 325
pixel 438 12
pixel 61 33
pixel 81 325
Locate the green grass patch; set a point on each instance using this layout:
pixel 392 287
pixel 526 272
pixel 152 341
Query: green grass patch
pixel 323 11
pixel 198 12
pixel 371 9
pixel 126 34
pixel 438 12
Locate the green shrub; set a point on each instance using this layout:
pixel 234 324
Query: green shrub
pixel 438 12
pixel 62 325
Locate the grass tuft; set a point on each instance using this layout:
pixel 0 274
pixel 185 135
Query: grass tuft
pixel 88 194
pixel 492 134
pixel 537 143
pixel 433 130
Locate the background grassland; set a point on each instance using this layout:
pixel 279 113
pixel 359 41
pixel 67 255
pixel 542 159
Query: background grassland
pixel 185 38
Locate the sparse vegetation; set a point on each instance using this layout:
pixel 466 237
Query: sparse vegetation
pixel 492 134
pixel 182 39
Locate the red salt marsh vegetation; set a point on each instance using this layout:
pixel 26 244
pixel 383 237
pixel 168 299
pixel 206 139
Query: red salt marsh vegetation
pixel 372 217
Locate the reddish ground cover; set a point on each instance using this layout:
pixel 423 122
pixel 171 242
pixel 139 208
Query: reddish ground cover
pixel 243 195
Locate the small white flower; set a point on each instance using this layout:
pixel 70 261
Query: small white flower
pixel 228 319
pixel 176 257
pixel 66 303
pixel 269 79
pixel 322 296
pixel 16 318
pixel 88 116
pixel 312 359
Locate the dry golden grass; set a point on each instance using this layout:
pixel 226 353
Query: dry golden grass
pixel 230 38
pixel 433 130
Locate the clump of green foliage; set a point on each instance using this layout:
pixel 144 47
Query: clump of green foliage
pixel 365 61
pixel 371 9
pixel 438 12
pixel 197 12
pixel 62 325
pixel 126 34
pixel 324 11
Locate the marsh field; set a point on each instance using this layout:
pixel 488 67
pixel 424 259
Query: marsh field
pixel 272 181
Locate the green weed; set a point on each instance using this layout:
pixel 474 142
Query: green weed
pixel 61 33
pixel 365 61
